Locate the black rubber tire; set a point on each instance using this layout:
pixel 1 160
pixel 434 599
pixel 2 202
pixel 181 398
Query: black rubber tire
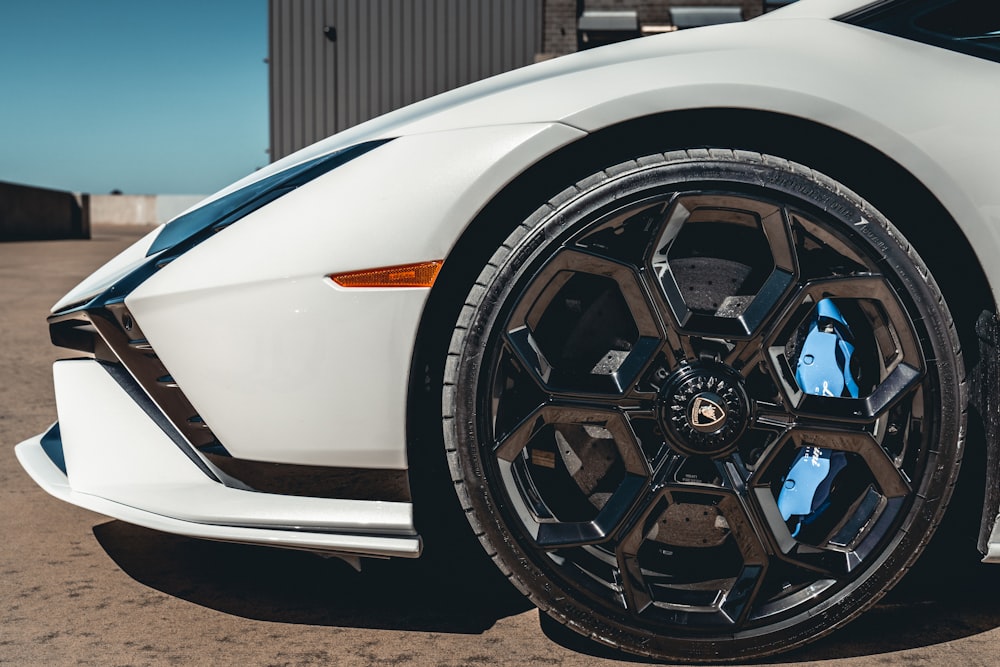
pixel 472 359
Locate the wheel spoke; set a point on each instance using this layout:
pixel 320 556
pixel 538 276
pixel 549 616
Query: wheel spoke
pixel 903 380
pixel 890 345
pixel 859 512
pixel 746 355
pixel 584 325
pixel 560 270
pixel 564 534
pixel 632 581
pixel 573 472
pixel 694 551
pixel 807 561
pixel 772 418
pixel 624 237
pixel 737 307
pixel 827 254
pixel 740 597
pixel 892 483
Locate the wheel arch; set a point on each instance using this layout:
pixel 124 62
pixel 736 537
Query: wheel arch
pixel 876 177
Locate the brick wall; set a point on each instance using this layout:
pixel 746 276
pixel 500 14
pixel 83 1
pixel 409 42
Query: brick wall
pixel 559 27
pixel 559 23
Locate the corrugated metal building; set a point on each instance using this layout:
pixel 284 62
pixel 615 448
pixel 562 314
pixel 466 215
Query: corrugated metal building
pixel 336 63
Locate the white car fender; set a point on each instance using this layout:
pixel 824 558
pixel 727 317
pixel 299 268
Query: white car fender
pixel 229 318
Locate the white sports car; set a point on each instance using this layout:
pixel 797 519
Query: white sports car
pixel 683 317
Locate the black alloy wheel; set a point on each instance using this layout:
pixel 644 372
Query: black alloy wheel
pixel 622 408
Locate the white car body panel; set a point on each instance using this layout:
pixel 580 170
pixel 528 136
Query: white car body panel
pixel 120 463
pixel 230 319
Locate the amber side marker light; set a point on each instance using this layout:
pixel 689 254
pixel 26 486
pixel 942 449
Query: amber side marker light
pixel 406 275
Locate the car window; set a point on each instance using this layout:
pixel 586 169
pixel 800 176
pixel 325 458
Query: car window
pixel 966 26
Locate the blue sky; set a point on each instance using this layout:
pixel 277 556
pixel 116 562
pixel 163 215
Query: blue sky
pixel 144 96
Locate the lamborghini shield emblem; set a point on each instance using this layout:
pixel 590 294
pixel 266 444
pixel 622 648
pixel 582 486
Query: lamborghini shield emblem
pixel 706 413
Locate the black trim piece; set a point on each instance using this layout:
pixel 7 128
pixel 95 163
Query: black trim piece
pixel 137 394
pixel 316 481
pixel 853 15
pixel 77 331
pixel 53 448
pixel 215 448
pixel 73 333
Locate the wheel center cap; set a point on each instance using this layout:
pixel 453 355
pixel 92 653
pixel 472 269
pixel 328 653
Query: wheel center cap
pixel 703 409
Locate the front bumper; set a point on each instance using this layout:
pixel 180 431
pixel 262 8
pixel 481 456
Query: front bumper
pixel 121 463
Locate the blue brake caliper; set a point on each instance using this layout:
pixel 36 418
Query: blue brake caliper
pixel 824 369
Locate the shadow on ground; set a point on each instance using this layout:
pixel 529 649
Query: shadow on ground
pixel 426 594
pixel 941 600
pixel 948 595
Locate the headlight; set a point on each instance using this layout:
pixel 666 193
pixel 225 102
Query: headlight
pixel 198 224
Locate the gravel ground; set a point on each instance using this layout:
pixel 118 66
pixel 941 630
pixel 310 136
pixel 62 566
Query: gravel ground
pixel 79 589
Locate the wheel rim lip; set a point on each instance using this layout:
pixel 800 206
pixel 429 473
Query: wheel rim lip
pixel 884 550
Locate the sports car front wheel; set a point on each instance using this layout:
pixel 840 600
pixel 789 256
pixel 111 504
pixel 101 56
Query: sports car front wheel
pixel 706 405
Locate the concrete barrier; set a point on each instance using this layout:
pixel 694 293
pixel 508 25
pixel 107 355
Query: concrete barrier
pixel 147 210
pixel 122 210
pixel 30 213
